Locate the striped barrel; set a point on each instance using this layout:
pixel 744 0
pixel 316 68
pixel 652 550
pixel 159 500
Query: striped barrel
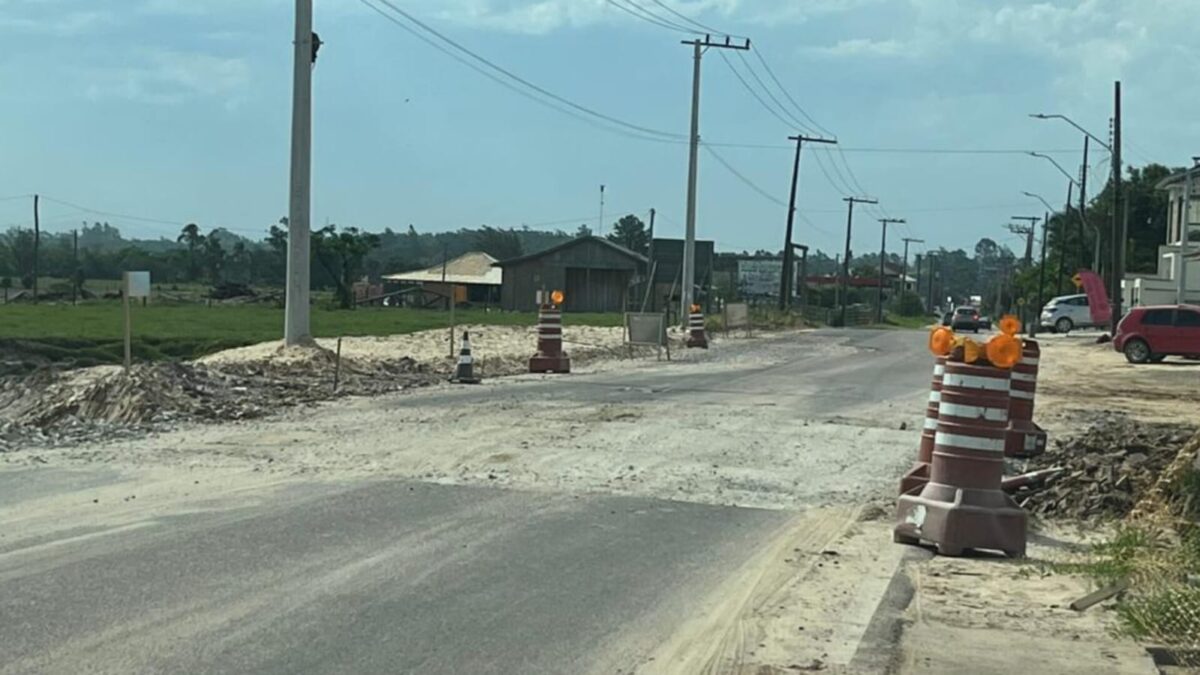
pixel 919 474
pixel 968 449
pixel 696 335
pixel 549 330
pixel 1025 438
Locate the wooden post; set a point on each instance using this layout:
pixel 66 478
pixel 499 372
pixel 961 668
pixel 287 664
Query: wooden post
pixel 453 290
pixel 128 322
pixel 337 364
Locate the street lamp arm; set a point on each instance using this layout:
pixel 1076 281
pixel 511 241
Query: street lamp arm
pixel 1057 166
pixel 1068 120
pixel 1039 198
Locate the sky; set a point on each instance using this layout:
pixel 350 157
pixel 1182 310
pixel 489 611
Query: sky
pixel 179 111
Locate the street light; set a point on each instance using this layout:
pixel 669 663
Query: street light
pixel 1068 120
pixel 1037 315
pixel 1039 198
pixel 1057 166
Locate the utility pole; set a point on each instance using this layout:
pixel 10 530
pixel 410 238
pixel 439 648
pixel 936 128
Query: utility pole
pixel 850 201
pixel 75 266
pixel 1118 221
pixel 930 282
pixel 882 260
pixel 689 242
pixel 785 282
pixel 651 269
pixel 919 276
pixel 1083 173
pixel 37 242
pixel 803 277
pixel 837 288
pixel 600 223
pixel 296 328
pixel 1184 241
pixel 1033 325
pixel 907 241
pixel 1027 232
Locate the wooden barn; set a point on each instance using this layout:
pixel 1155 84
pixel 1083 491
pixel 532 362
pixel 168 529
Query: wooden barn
pixel 595 274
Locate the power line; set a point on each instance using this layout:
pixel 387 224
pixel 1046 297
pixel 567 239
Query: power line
pixel 641 13
pixel 771 74
pixel 749 183
pixel 513 76
pixel 786 123
pixel 753 73
pixel 688 19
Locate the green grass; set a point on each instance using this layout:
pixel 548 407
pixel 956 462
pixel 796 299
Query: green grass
pixel 91 332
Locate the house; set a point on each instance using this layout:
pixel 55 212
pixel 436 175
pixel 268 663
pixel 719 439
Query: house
pixel 1162 286
pixel 666 266
pixel 593 273
pixel 472 276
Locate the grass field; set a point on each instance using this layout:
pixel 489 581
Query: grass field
pixel 91 333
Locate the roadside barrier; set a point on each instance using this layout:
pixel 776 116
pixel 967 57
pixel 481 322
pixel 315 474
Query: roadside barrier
pixel 550 357
pixel 696 334
pixel 916 478
pixel 464 373
pixel 962 506
pixel 1025 438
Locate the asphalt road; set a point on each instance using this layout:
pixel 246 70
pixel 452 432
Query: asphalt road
pixel 400 576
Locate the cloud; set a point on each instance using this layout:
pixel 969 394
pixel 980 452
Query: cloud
pixel 856 47
pixel 169 77
pixel 20 16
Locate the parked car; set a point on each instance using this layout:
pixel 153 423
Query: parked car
pixel 948 318
pixel 1066 313
pixel 1152 333
pixel 985 322
pixel 965 318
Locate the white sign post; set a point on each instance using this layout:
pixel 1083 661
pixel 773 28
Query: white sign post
pixel 134 285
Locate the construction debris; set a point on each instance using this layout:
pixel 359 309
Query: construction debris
pixel 1105 471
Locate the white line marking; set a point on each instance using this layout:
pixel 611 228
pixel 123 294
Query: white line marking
pixel 969 442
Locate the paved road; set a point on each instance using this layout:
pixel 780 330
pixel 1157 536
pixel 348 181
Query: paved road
pixel 399 576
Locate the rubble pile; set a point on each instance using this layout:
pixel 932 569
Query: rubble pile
pixel 1108 469
pixel 104 402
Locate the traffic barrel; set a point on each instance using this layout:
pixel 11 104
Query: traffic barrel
pixel 696 335
pixel 550 357
pixel 962 506
pixel 916 477
pixel 464 373
pixel 1025 438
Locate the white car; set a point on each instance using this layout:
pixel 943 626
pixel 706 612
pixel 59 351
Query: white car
pixel 1066 313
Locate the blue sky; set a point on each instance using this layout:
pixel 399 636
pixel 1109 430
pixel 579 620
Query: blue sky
pixel 180 110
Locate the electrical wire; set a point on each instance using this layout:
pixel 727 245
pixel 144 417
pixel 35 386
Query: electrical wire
pixel 688 19
pixel 754 93
pixel 637 11
pixel 771 73
pixel 513 76
pixel 795 121
pixel 749 183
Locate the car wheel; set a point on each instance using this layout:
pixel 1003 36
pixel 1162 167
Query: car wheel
pixel 1063 325
pixel 1137 351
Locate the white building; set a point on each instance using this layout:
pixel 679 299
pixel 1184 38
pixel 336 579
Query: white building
pixel 1161 287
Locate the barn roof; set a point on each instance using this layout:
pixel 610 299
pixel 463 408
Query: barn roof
pixel 570 244
pixel 475 268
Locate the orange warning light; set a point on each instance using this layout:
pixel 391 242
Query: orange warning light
pixel 941 341
pixel 557 297
pixel 1004 351
pixel 1010 325
pixel 695 309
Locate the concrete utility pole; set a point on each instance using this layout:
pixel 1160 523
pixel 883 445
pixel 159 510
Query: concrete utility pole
pixel 882 260
pixel 929 283
pixel 1083 173
pixel 1027 232
pixel 74 266
pixel 785 282
pixel 600 223
pixel 919 276
pixel 850 201
pixel 296 328
pixel 37 242
pixel 1184 240
pixel 689 241
pixel 1118 216
pixel 1062 241
pixel 1033 326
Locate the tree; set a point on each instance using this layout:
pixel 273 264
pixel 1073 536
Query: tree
pixel 20 247
pixel 630 232
pixel 214 256
pixel 583 231
pixel 341 256
pixel 498 243
pixel 190 236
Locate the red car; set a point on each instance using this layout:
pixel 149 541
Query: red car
pixel 1150 334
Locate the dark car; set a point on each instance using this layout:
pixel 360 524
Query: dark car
pixel 1150 334
pixel 965 318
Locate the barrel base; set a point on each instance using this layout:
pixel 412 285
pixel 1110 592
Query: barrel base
pixel 539 363
pixel 1024 439
pixel 465 380
pixel 956 519
pixel 916 478
pixel 697 339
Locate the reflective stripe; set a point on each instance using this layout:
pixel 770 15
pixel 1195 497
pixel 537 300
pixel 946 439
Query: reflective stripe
pixel 465 360
pixel 969 442
pixel 974 382
pixel 939 369
pixel 1021 393
pixel 935 396
pixel 1024 377
pixel 973 412
pixel 930 423
pixel 1030 361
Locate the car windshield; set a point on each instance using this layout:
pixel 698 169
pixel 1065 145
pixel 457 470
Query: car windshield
pixel 965 311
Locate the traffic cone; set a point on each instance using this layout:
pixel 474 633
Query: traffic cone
pixel 550 357
pixel 465 372
pixel 1025 437
pixel 918 476
pixel 696 335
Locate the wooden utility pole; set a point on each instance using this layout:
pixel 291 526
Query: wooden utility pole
pixel 1062 242
pixel 1027 232
pixel 1083 173
pixel 1119 213
pixel 689 242
pixel 785 281
pixel 37 242
pixel 882 260
pixel 850 201
pixel 803 276
pixel 75 267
